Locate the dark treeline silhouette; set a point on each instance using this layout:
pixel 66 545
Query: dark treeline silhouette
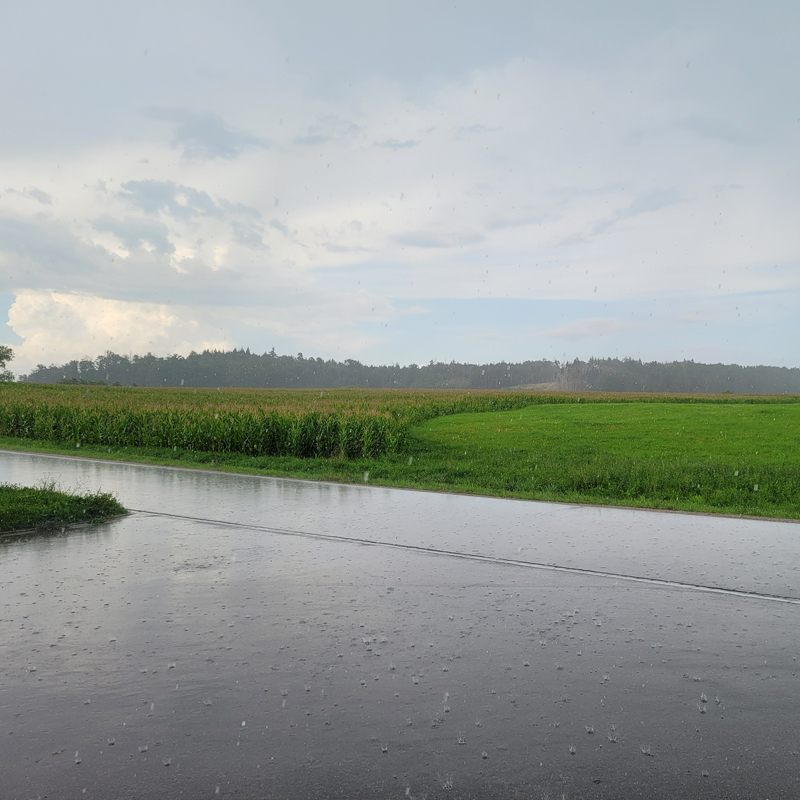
pixel 630 375
pixel 243 368
pixel 213 368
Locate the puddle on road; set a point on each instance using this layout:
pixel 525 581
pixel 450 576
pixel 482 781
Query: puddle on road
pixel 161 657
pixel 723 552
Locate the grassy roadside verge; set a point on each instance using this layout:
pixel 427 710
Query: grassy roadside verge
pixel 739 459
pixel 45 507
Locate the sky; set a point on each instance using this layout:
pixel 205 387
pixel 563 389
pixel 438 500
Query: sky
pixel 401 182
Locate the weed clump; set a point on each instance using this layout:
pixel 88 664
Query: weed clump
pixel 47 506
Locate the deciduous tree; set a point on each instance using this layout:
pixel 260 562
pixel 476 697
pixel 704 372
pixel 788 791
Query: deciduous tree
pixel 6 354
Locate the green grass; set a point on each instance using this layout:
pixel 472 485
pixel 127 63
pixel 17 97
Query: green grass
pixel 705 457
pixel 46 507
pixel 733 459
pixel 342 423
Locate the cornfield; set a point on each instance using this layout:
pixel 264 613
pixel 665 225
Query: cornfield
pixel 301 423
pixel 305 423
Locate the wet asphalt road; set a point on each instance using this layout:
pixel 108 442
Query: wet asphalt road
pixel 248 637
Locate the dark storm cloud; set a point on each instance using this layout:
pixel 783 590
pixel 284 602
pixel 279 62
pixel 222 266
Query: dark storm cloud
pixel 134 233
pixel 205 135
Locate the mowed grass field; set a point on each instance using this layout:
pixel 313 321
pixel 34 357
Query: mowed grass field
pixel 723 458
pixel 719 454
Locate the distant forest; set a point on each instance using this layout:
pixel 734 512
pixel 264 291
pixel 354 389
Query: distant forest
pixel 242 368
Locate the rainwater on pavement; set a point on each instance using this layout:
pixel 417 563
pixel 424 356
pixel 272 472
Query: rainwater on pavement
pixel 249 637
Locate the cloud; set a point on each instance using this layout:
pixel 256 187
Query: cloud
pixel 134 233
pixel 541 194
pixel 312 139
pixel 36 194
pixel 589 328
pixel 697 316
pixel 205 136
pixel 413 310
pixel 480 337
pixel 345 248
pixel 40 196
pixel 522 222
pixel 472 129
pixel 394 144
pixel 247 235
pixel 329 128
pixel 326 321
pixel 717 130
pixel 59 327
pixel 44 254
pixel 279 226
pixel 434 240
pixel 644 203
pixel 240 209
pixel 181 202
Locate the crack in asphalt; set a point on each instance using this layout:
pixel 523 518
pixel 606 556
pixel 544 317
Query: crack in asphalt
pixel 509 562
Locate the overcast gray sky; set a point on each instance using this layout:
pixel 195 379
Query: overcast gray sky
pixel 401 182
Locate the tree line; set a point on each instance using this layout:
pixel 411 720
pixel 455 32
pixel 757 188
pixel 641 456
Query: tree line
pixel 213 368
